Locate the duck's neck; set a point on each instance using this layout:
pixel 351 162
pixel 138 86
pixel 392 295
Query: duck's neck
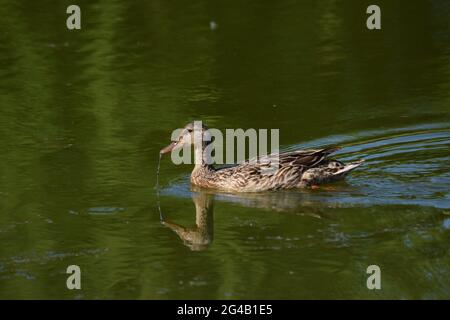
pixel 203 160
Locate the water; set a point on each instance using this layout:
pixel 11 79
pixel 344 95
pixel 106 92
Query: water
pixel 84 114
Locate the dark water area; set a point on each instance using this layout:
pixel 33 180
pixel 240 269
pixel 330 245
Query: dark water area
pixel 83 115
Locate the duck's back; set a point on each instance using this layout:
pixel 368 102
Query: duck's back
pixel 272 172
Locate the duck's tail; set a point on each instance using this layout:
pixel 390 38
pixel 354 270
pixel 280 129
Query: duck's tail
pixel 348 167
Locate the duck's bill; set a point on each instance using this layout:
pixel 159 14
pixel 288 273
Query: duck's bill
pixel 169 148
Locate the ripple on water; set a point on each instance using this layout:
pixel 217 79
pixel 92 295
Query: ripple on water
pixel 102 211
pixel 22 263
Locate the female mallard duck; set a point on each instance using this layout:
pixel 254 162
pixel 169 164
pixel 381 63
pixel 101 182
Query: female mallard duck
pixel 295 169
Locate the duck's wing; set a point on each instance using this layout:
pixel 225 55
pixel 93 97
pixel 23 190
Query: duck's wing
pixel 287 161
pixel 271 172
pixel 305 157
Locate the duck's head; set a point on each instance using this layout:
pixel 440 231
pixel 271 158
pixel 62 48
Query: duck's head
pixel 193 133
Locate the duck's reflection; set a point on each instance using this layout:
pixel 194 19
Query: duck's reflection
pixel 201 236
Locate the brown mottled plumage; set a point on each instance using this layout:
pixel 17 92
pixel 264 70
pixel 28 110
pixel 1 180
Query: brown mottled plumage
pixel 296 169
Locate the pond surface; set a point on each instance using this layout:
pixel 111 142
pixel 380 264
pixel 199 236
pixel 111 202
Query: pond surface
pixel 83 115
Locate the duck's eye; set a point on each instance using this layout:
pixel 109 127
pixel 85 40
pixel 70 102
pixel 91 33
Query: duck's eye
pixel 189 130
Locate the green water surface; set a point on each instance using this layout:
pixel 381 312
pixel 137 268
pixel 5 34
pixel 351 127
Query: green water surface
pixel 84 113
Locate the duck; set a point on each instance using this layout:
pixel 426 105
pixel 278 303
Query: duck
pixel 305 168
